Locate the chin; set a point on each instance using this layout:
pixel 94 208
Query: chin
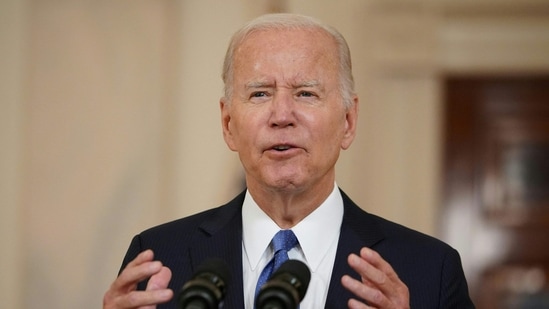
pixel 284 179
pixel 290 184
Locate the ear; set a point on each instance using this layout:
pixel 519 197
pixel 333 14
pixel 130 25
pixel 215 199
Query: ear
pixel 351 117
pixel 225 107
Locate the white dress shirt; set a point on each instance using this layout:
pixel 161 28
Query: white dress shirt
pixel 317 234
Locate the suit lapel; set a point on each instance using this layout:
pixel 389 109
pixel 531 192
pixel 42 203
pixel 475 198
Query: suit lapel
pixel 358 230
pixel 221 237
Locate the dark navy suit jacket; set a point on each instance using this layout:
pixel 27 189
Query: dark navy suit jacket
pixel 431 269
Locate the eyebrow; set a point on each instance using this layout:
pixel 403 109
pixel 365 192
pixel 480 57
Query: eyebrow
pixel 266 84
pixel 309 83
pixel 258 84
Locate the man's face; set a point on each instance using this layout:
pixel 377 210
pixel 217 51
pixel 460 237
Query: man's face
pixel 286 118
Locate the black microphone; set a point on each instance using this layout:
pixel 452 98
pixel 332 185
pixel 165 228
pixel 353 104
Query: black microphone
pixel 207 287
pixel 286 288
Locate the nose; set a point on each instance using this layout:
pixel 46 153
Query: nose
pixel 282 111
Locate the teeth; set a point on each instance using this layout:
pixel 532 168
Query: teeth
pixel 281 147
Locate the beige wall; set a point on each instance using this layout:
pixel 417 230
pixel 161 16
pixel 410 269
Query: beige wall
pixel 12 61
pixel 95 99
pixel 109 119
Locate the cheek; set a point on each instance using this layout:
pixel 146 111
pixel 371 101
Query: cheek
pixel 244 132
pixel 334 136
pixel 332 127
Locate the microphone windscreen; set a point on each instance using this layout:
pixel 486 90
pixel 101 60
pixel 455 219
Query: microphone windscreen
pixel 207 287
pixel 300 271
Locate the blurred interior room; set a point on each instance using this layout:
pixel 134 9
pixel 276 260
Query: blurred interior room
pixel 109 124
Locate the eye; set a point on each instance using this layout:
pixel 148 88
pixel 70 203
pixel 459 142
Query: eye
pixel 305 94
pixel 258 94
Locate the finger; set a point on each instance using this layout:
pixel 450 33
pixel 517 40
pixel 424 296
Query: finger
pixel 355 304
pixel 369 273
pixel 380 284
pixel 366 293
pixel 375 271
pixel 379 263
pixel 132 275
pixel 160 280
pixel 142 257
pixel 123 294
pixel 390 284
pixel 137 270
pixel 143 299
pixel 157 282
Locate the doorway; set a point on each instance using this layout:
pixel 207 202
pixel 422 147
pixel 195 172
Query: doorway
pixel 496 186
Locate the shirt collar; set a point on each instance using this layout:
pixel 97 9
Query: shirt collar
pixel 315 233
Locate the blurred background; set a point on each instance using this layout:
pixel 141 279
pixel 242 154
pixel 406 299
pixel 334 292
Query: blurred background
pixel 109 124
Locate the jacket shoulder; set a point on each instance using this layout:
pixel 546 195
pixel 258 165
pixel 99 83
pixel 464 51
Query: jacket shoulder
pixel 207 220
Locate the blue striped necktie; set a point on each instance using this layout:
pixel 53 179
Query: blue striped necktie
pixel 282 242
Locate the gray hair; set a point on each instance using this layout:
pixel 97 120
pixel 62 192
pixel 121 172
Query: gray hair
pixel 292 21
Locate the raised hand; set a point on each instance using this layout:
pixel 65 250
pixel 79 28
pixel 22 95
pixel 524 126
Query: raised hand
pixel 379 286
pixel 123 291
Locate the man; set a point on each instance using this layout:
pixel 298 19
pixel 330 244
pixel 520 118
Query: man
pixel 289 108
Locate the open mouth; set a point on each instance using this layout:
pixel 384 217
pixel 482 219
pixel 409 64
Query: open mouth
pixel 282 147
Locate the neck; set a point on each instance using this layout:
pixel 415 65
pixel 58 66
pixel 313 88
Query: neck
pixel 288 207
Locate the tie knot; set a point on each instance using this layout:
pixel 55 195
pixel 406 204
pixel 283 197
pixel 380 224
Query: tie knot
pixel 284 240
